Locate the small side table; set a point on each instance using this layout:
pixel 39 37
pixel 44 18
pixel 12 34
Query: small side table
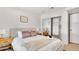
pixel 5 43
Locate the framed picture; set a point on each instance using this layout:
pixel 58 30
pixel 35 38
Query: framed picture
pixel 23 19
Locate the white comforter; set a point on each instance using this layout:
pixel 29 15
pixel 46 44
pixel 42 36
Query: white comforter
pixel 32 44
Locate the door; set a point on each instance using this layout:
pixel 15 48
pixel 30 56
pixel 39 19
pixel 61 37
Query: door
pixel 56 27
pixel 46 25
pixel 74 28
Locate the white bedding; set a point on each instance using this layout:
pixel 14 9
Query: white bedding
pixel 20 44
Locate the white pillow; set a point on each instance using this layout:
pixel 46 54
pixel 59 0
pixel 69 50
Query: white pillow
pixel 19 34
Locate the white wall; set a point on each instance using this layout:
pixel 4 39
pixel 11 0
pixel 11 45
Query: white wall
pixel 64 21
pixel 10 18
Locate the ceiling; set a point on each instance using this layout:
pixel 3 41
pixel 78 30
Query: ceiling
pixel 38 10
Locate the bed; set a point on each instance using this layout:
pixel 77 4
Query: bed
pixel 37 43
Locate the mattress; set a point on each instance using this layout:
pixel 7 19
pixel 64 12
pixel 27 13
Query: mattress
pixel 28 44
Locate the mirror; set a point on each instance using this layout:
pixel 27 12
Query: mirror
pixel 52 26
pixel 46 25
pixel 56 28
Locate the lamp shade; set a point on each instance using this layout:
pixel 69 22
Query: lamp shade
pixel 4 33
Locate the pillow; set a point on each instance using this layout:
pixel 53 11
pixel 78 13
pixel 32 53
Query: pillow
pixel 26 34
pixel 33 33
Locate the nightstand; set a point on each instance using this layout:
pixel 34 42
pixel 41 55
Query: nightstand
pixel 45 33
pixel 39 33
pixel 5 43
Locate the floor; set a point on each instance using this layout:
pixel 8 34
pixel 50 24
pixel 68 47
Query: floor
pixel 71 47
pixel 9 50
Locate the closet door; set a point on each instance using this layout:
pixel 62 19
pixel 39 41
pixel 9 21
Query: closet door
pixel 56 27
pixel 46 25
pixel 74 28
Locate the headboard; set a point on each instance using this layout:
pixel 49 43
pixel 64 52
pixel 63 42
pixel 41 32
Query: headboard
pixel 14 31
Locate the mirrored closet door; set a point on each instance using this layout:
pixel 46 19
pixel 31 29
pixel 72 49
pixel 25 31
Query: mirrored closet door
pixel 52 26
pixel 46 25
pixel 56 26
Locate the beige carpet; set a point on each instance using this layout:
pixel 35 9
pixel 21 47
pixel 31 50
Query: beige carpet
pixel 71 47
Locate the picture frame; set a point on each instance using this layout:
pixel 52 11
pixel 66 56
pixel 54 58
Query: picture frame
pixel 24 19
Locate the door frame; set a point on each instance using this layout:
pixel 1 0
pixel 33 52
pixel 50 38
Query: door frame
pixel 68 28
